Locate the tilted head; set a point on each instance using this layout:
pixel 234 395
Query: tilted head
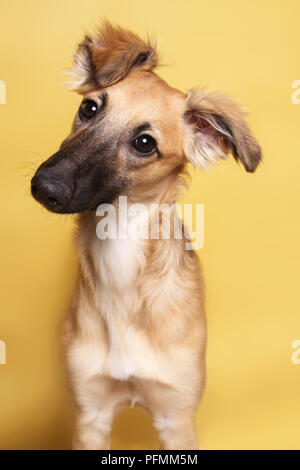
pixel 132 130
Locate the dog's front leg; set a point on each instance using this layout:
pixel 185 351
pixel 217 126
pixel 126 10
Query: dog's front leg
pixel 93 429
pixel 96 399
pixel 176 432
pixel 173 413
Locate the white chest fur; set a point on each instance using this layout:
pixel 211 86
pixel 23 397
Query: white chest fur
pixel 129 352
pixel 119 263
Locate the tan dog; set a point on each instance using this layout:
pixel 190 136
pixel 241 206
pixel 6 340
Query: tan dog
pixel 136 330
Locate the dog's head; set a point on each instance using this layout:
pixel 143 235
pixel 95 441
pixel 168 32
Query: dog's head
pixel 133 131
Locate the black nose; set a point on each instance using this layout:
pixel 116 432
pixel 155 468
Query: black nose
pixel 53 194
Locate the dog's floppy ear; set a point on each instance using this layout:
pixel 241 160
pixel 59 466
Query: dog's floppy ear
pixel 215 126
pixel 106 58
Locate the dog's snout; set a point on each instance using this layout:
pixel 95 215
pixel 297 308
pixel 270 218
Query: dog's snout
pixel 50 192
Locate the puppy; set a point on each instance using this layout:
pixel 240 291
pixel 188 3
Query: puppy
pixel 136 329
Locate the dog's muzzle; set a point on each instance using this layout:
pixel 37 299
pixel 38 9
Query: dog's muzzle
pixel 53 194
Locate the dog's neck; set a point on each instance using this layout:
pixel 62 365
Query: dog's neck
pixel 125 206
pixel 118 258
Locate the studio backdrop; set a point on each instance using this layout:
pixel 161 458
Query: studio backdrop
pixel 250 254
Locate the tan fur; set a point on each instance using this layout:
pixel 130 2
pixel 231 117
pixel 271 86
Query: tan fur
pixel 136 332
pixel 106 58
pixel 226 118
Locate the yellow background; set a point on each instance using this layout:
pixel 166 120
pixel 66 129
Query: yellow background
pixel 249 49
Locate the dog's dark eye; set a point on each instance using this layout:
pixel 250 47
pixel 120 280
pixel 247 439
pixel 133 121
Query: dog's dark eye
pixel 144 144
pixel 88 109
